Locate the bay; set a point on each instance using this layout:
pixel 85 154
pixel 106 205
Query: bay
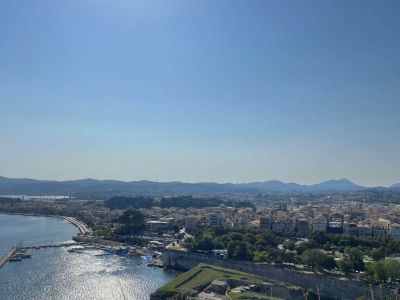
pixel 54 273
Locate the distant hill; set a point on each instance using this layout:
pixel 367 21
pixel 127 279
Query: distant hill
pixel 337 185
pixel 25 186
pixel 395 186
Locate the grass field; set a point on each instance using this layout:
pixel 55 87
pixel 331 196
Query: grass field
pixel 204 274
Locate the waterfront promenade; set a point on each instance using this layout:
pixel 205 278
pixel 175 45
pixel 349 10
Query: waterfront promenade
pixel 81 226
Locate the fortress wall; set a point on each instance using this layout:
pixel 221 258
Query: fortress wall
pixel 330 286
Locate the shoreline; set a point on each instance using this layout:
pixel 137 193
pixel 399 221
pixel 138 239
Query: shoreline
pixel 82 227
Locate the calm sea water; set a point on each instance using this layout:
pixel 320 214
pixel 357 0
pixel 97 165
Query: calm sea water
pixel 55 273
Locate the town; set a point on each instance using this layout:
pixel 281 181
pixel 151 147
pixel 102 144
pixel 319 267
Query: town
pixel 343 234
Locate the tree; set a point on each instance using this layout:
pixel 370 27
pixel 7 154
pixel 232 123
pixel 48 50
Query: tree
pixel 250 238
pixel 266 239
pixel 392 268
pixel 236 236
pixel 377 253
pixel 317 259
pixel 176 227
pixel 132 221
pixel 260 256
pixel 290 246
pixel 345 265
pixel 205 243
pixel 320 237
pixel 377 271
pixel 238 250
pixel 356 257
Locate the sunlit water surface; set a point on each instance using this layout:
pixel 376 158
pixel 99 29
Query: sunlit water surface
pixel 54 273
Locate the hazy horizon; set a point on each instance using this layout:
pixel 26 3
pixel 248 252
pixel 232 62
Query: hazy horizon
pixel 204 181
pixel 201 91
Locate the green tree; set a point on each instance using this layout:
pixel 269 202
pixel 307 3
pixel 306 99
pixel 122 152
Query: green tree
pixel 345 265
pixel 320 237
pixel 238 250
pixel 236 236
pixel 317 259
pixel 205 244
pixel 260 256
pixel 377 271
pixel 377 253
pixel 250 238
pixel 132 221
pixel 356 257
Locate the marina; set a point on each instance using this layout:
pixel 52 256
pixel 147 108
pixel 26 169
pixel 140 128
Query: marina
pixel 89 271
pixel 153 258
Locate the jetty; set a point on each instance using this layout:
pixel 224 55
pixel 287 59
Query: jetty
pixel 7 256
pixel 50 246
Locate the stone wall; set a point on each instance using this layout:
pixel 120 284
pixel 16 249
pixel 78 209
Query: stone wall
pixel 329 286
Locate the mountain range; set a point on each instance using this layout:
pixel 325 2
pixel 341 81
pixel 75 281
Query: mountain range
pixel 26 186
pixel 395 186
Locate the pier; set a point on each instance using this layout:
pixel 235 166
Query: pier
pixel 7 256
pixel 50 246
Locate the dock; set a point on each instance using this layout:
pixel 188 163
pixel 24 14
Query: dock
pixel 50 246
pixel 7 256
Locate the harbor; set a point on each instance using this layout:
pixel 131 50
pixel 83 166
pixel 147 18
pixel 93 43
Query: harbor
pixel 67 269
pixel 150 254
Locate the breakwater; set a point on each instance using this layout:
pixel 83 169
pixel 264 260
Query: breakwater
pixel 4 259
pixel 328 286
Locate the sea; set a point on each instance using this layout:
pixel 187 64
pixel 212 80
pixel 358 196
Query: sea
pixel 54 273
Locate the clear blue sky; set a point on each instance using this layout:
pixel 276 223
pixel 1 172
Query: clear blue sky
pixel 226 91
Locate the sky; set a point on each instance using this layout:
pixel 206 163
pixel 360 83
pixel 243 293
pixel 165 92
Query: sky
pixel 223 91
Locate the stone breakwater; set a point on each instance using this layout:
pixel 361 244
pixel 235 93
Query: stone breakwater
pixel 4 259
pixel 329 286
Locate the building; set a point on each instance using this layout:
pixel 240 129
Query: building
pixel 349 228
pixel 158 226
pixel 381 228
pixel 265 222
pixel 394 231
pixel 278 226
pixel 335 227
pixel 319 224
pixel 238 222
pixel 364 230
pixel 191 223
pixel 215 219
pixel 302 227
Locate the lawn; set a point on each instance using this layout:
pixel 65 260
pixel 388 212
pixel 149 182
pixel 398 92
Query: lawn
pixel 204 274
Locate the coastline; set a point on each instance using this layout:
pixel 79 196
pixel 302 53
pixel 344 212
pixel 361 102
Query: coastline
pixel 82 227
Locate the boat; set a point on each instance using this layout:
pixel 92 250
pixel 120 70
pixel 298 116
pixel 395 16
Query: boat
pixel 158 263
pixel 22 255
pixel 15 259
